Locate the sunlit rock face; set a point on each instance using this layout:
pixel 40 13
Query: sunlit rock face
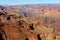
pixel 30 22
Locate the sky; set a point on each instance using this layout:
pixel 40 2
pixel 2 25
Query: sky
pixel 18 2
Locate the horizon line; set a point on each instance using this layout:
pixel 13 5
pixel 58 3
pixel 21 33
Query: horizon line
pixel 33 4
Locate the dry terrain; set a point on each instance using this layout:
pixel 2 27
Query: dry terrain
pixel 30 22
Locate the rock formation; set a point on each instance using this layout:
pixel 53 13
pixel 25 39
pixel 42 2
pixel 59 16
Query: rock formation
pixel 32 23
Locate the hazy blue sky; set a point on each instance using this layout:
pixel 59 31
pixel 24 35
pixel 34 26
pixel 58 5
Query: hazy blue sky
pixel 15 2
